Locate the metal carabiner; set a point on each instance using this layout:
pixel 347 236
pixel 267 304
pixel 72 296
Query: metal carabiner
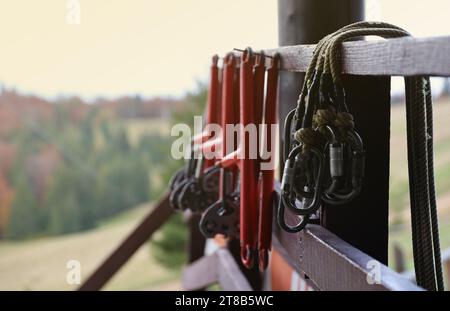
pixel 358 159
pixel 177 184
pixel 357 172
pixel 336 158
pixel 192 195
pixel 286 227
pixel 288 180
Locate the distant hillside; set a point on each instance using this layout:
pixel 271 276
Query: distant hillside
pixel 44 143
pixel 15 109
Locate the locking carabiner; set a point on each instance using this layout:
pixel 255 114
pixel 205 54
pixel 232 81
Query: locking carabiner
pixel 178 182
pixel 290 228
pixel 336 158
pixel 356 172
pixel 287 185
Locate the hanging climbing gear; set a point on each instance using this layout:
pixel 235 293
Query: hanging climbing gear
pixel 324 129
pixel 248 165
pixel 188 189
pixel 222 217
pixel 323 154
pixel 244 209
pixel 267 175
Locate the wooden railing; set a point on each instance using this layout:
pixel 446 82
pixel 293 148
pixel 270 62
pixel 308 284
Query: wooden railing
pixel 321 258
pixel 320 254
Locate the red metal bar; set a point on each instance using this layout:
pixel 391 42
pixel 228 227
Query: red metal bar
pixel 259 71
pixel 268 175
pixel 248 185
pixel 228 109
pixel 213 104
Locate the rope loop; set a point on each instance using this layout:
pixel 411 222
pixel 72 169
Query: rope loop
pixel 344 121
pixel 306 136
pixel 324 117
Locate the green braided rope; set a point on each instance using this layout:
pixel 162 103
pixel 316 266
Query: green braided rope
pixel 333 50
pixel 318 52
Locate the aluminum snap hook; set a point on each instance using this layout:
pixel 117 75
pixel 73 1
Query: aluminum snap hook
pixel 288 180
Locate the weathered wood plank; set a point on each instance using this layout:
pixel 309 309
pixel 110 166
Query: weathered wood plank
pixel 393 57
pixel 219 267
pixel 201 273
pixel 230 275
pixel 333 264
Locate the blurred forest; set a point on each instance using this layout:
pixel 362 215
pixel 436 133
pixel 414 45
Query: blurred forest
pixel 67 164
pixel 76 177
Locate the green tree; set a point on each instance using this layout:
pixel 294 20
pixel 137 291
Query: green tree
pixel 26 217
pixel 64 209
pixel 169 247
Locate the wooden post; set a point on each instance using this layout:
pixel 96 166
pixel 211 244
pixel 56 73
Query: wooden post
pixel 196 241
pixel 399 258
pixel 306 22
pixel 364 222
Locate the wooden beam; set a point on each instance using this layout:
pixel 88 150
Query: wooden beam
pixel 217 268
pixel 392 57
pixel 159 214
pixel 333 264
pixel 201 273
pixel 330 262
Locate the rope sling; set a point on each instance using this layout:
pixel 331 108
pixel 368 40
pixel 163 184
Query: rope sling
pixel 324 155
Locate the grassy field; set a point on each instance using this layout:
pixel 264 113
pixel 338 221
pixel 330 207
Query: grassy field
pixel 40 264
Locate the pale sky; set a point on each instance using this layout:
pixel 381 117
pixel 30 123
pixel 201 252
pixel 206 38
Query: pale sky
pixel 151 47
